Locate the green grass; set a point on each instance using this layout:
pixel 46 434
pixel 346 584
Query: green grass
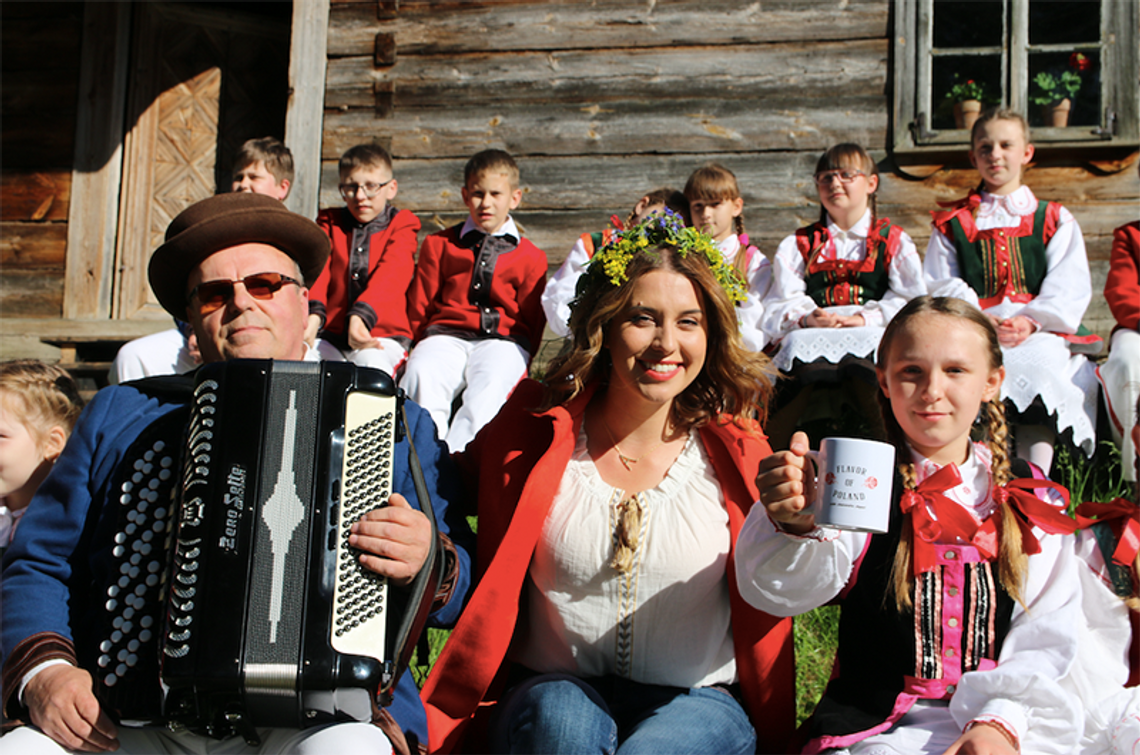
pixel 816 636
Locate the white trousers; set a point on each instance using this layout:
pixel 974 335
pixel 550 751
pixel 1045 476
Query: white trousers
pixel 334 738
pixel 1120 376
pixel 390 358
pixel 441 368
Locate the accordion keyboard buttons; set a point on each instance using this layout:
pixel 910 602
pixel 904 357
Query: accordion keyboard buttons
pixel 360 595
pixel 140 573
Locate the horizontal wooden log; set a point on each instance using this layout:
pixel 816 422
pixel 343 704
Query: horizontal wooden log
pixel 43 94
pixel 30 293
pixel 820 70
pixel 39 196
pixel 617 128
pixel 41 36
pixel 13 11
pixel 35 142
pixel 32 247
pixel 434 28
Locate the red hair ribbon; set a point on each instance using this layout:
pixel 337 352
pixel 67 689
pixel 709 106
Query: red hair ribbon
pixel 1125 518
pixel 936 518
pixel 1028 510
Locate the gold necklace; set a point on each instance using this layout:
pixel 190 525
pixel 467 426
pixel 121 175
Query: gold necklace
pixel 627 460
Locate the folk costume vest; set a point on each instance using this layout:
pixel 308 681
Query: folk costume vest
pixel 1000 263
pixel 959 619
pixel 834 282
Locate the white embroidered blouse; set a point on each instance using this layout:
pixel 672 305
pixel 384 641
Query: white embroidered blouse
pixel 668 620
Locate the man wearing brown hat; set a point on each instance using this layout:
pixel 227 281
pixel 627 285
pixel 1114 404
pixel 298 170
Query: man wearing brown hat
pixel 237 267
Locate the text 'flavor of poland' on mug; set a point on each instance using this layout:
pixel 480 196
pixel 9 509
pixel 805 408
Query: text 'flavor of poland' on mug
pixel 853 487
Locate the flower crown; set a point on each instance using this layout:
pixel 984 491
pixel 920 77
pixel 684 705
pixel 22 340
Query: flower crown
pixel 665 228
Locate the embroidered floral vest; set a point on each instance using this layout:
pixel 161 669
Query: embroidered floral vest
pixel 961 614
pixel 832 282
pixel 1000 263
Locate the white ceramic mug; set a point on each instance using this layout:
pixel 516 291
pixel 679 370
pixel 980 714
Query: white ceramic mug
pixel 854 484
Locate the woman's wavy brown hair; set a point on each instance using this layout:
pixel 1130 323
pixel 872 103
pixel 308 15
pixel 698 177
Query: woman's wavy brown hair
pixel 734 380
pixel 1011 558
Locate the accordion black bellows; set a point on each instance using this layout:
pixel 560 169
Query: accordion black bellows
pixel 267 617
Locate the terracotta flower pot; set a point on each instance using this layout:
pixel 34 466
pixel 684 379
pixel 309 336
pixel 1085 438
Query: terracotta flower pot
pixel 966 112
pixel 1057 114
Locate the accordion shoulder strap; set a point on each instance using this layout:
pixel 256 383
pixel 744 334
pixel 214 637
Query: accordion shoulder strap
pixel 423 588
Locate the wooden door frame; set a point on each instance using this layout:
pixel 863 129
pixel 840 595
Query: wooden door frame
pixel 97 172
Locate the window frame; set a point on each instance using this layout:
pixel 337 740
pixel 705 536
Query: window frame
pixel 1119 49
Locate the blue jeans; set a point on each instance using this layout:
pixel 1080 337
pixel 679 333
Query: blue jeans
pixel 558 713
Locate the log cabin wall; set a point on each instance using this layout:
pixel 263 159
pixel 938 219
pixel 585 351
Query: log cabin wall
pixel 600 101
pixel 41 80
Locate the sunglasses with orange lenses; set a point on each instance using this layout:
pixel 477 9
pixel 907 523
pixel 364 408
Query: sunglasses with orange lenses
pixel 213 295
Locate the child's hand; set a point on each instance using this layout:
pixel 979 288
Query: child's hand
pixel 359 337
pixel 821 319
pixel 311 328
pixel 851 321
pixel 982 739
pixel 785 487
pixel 1014 331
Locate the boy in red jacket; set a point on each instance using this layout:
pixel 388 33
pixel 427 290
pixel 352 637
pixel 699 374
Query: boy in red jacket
pixel 475 306
pixel 1120 375
pixel 358 303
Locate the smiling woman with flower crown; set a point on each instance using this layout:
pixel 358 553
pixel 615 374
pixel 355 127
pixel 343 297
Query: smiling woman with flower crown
pixel 610 498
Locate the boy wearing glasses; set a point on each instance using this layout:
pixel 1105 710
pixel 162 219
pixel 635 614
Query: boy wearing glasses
pixel 475 306
pixel 358 303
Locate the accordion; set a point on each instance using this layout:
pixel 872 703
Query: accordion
pixel 234 600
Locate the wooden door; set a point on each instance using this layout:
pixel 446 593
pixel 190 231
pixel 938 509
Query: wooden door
pixel 201 82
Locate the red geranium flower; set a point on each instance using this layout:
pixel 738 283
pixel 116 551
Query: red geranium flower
pixel 1079 62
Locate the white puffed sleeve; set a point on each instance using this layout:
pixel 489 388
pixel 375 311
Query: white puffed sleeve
pixel 906 282
pixel 786 575
pixel 751 312
pixel 1067 289
pixel 940 268
pixel 559 291
pixel 788 300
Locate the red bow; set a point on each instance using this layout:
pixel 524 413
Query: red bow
pixel 1028 510
pixel 1125 516
pixel 934 517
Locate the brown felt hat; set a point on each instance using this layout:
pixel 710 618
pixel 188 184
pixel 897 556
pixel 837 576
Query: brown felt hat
pixel 228 220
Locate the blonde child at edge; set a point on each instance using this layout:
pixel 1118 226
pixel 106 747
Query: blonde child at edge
pixel 562 286
pixel 966 551
pixel 717 208
pixel 1022 261
pixel 39 404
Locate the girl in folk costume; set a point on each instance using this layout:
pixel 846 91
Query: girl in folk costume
pixel 559 291
pixel 717 208
pixel 850 270
pixel 1023 263
pixel 958 623
pixel 606 618
pixel 836 284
